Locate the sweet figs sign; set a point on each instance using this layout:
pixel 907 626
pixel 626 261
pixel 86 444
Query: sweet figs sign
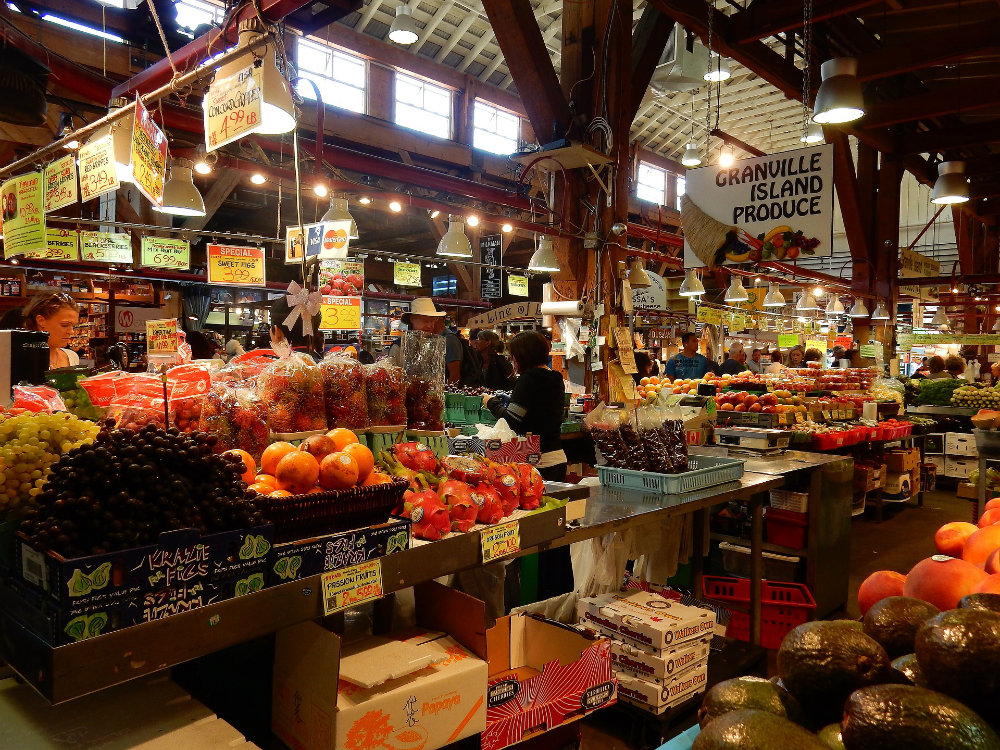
pixel 774 207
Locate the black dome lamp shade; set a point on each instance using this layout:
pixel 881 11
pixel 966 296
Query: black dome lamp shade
pixel 22 89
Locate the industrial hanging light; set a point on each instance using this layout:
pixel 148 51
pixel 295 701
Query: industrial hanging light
pixel 736 292
pixel 404 29
pixel 951 185
pixel 812 134
pixel 691 286
pixel 940 318
pixel 880 312
pixel 544 258
pixel 726 157
pixel 834 307
pixel 203 161
pixel 806 302
pixel 691 157
pixel 455 243
pixel 637 276
pixel 774 297
pixel 839 98
pixel 858 310
pixel 180 196
pixel 338 212
pixel 718 69
pixel 65 129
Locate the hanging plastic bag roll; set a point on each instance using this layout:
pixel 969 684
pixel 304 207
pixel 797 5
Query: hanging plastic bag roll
pixel 568 308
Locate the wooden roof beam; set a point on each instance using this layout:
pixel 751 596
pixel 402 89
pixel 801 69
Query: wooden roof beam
pixel 947 101
pixel 649 39
pixel 948 46
pixel 939 141
pixel 766 18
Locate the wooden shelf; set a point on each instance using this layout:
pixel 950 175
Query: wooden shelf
pixel 569 157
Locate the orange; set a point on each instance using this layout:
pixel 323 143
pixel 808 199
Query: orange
pixel 267 479
pixel 342 437
pixel 262 489
pixel 274 453
pixel 297 472
pixel 248 462
pixel 377 477
pixel 364 458
pixel 339 471
pixel 281 493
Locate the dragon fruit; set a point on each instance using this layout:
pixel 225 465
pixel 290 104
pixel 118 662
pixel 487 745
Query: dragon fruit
pixel 457 496
pixel 416 456
pixel 428 515
pixel 464 468
pixel 532 486
pixel 506 482
pixel 488 502
pixel 395 468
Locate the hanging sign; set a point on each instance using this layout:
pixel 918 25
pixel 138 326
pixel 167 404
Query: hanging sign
pixel 755 298
pixel 230 264
pixel 164 252
pixel 406 274
pixel 161 336
pixel 652 297
pixel 491 254
pixel 504 314
pixel 348 587
pixel 97 168
pixel 334 239
pixel 912 263
pixel 626 355
pixel 60 244
pixel 60 183
pixel 739 323
pixel 517 286
pixel 340 313
pixel 867 351
pixel 816 344
pixel 106 247
pixel 22 201
pixel 149 154
pixel 232 107
pixel 788 340
pixel 342 278
pixel 774 207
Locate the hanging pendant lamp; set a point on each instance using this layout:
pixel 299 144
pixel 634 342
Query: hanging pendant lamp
pixel 774 297
pixel 940 318
pixel 691 157
pixel 880 312
pixel 180 196
pixel 859 310
pixel 637 276
pixel 544 259
pixel 834 307
pixel 839 98
pixel 951 185
pixel 813 134
pixel 404 29
pixel 806 301
pixel 338 212
pixel 455 243
pixel 691 286
pixel 736 292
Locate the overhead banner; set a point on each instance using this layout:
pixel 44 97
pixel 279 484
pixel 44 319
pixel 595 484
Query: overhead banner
pixel 406 274
pixel 342 278
pixel 134 319
pixel 517 286
pixel 165 252
pixel 60 244
pixel 161 336
pixel 22 200
pixel 106 247
pixel 149 154
pixel 230 264
pixel 60 183
pixel 912 263
pixel 504 314
pixel 774 207
pixel 97 168
pixel 340 313
pixel 491 254
pixel 653 297
pixel 232 108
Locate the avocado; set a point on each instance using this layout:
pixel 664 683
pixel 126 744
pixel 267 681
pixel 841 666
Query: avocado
pixel 821 663
pixel 830 734
pixel 894 622
pixel 755 730
pixel 959 654
pixel 910 667
pixel 989 602
pixel 749 693
pixel 899 717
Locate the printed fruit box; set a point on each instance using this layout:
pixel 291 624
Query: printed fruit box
pixel 181 557
pixel 294 560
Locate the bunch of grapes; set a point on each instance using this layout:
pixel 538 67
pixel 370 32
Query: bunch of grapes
pixel 29 445
pixel 127 487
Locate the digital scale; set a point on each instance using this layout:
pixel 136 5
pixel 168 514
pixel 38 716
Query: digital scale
pixel 754 439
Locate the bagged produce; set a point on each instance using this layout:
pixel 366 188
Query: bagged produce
pixel 344 392
pixel 67 381
pixel 237 417
pixel 291 388
pixel 245 366
pixel 38 398
pixel 603 423
pixel 423 362
pixel 138 401
pixel 385 387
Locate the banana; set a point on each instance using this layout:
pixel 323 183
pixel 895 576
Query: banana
pixel 776 231
pixel 737 257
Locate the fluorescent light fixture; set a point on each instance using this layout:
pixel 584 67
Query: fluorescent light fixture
pixel 58 21
pixel 774 297
pixel 455 243
pixel 691 286
pixel 544 258
pixel 813 134
pixel 691 157
pixel 859 310
pixel 736 292
pixel 180 196
pixel 951 185
pixel 338 212
pixel 839 98
pixel 404 29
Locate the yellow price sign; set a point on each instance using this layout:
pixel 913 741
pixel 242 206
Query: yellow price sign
pixel 161 336
pixel 349 587
pixel 165 252
pixel 819 344
pixel 500 540
pixel 229 264
pixel 406 274
pixel 232 107
pixel 149 154
pixel 340 313
pixel 60 244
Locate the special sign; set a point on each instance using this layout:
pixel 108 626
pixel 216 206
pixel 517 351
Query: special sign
pixel 775 207
pixel 149 154
pixel 340 313
pixel 232 108
pixel 229 264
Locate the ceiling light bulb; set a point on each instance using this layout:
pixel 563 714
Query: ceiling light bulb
pixel 507 228
pixel 435 213
pixel 951 185
pixel 337 212
pixel 404 29
pixel 839 98
pixel 691 157
pixel 736 292
pixel 691 286
pixel 774 297
pixel 364 200
pixel 257 178
pixel 72 145
pixel 321 190
pixel 818 292
pixel 859 310
pixel 454 243
pixel 718 68
pixel 202 167
pixel 544 258
pixel 813 134
pixel 203 161
pixel 726 158
pixel 396 206
pixel 880 312
pixel 472 220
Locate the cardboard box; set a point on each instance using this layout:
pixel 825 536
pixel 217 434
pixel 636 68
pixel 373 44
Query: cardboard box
pixel 902 460
pixel 645 619
pixel 934 443
pixel 421 689
pixel 656 697
pixel 961 468
pixel 960 444
pixel 939 461
pixel 898 486
pixel 627 659
pixel 868 478
pixel 542 674
pixel 967 490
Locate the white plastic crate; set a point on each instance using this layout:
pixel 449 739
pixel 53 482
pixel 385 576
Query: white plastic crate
pixel 797 502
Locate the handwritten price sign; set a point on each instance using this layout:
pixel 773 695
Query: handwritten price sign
pixel 406 274
pixel 517 286
pixel 60 244
pixel 500 540
pixel 60 183
pixel 161 336
pixel 97 168
pixel 163 252
pixel 229 264
pixel 149 154
pixel 21 202
pixel 232 108
pixel 340 313
pixel 349 587
pixel 106 247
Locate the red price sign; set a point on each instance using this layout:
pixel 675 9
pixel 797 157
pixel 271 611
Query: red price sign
pixel 228 264
pixel 349 587
pixel 232 107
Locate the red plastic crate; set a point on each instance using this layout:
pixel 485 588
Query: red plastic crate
pixel 786 527
pixel 783 606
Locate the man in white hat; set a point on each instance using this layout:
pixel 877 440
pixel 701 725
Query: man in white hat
pixel 424 316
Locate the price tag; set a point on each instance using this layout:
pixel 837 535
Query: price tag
pixel 149 154
pixel 229 264
pixel 517 286
pixel 60 244
pixel 625 353
pixel 232 108
pixel 770 387
pixel 23 216
pixel 106 247
pixel 798 417
pixel 827 416
pixel 97 168
pixel 60 183
pixel 163 252
pixel 788 340
pixel 340 313
pixel 349 587
pixel 500 540
pixel 406 274
pixel 161 336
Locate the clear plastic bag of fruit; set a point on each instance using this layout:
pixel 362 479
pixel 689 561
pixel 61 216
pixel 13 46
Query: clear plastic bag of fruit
pixel 603 423
pixel 138 401
pixel 385 385
pixel 655 438
pixel 187 386
pixel 246 366
pixel 344 392
pixel 237 417
pixel 423 361
pixel 292 390
pixel 38 399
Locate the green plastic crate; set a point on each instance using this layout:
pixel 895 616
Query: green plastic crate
pixel 454 408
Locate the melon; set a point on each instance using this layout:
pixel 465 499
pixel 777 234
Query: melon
pixel 950 538
pixel 878 586
pixel 989 585
pixel 942 581
pixel 981 545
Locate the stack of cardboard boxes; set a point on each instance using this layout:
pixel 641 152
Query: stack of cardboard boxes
pixel 659 649
pixel 903 473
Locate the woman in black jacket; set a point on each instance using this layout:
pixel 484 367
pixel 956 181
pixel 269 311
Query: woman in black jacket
pixel 498 372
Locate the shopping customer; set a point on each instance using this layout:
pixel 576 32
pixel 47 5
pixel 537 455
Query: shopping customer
pixel 285 339
pixel 812 355
pixel 936 368
pixel 498 372
pixel 733 363
pixel 754 365
pixel 56 314
pixel 796 356
pixel 955 366
pixel 688 363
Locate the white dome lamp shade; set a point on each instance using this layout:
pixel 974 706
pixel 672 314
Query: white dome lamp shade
pixel 544 258
pixel 180 196
pixel 806 302
pixel 404 29
pixel 813 134
pixel 637 276
pixel 940 318
pixel 691 157
pixel 121 134
pixel 691 286
pixel 839 98
pixel 834 307
pixel 880 312
pixel 736 292
pixel 338 212
pixel 951 185
pixel 718 69
pixel 774 297
pixel 455 243
pixel 859 310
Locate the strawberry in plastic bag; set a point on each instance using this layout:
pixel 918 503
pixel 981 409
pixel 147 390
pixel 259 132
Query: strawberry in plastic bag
pixel 237 418
pixel 490 507
pixel 416 456
pixel 385 386
pixel 532 486
pixel 429 516
pixel 292 390
pixel 344 390
pixel 457 496
pixel 507 483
